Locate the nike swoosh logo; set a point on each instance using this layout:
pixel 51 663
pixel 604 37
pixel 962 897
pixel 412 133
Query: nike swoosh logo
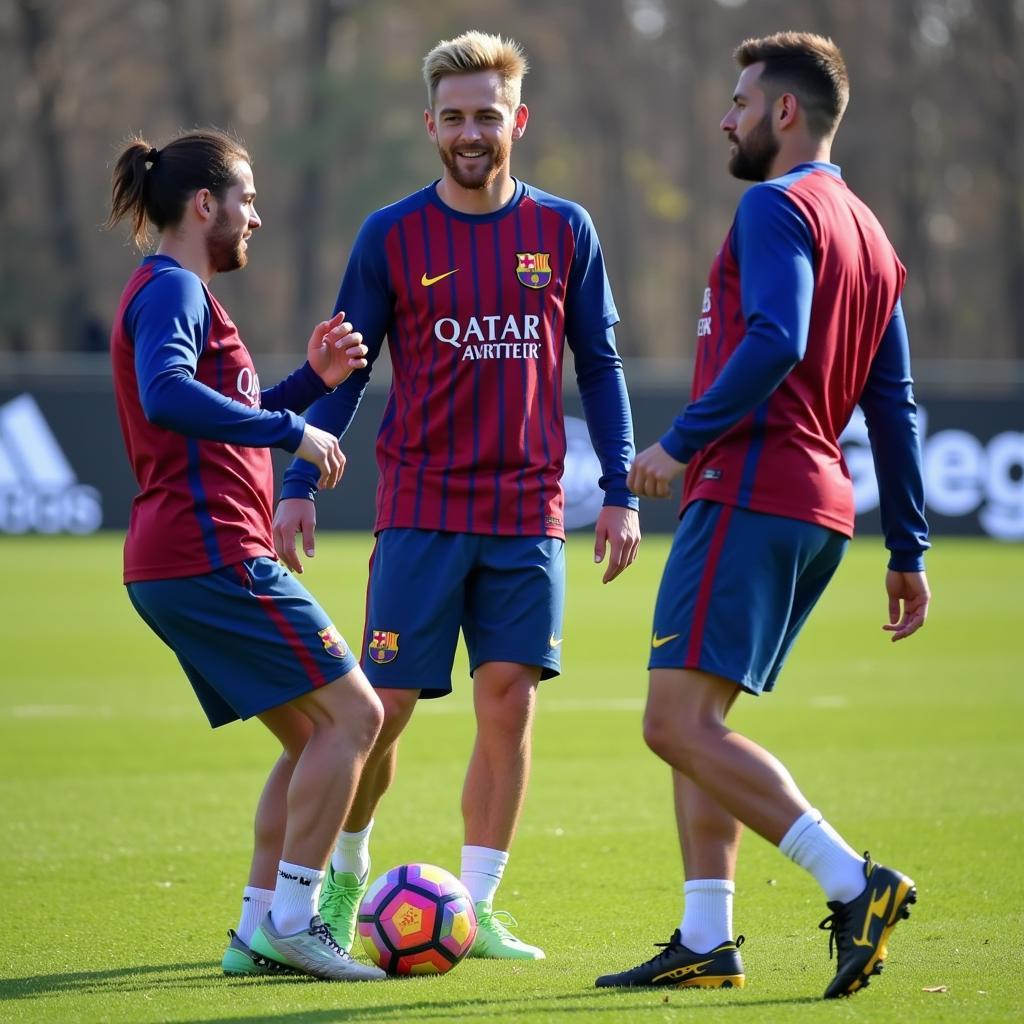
pixel 552 642
pixel 660 641
pixel 428 281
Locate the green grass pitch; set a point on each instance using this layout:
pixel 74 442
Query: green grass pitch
pixel 124 820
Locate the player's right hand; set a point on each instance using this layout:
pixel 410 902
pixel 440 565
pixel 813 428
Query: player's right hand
pixel 322 449
pixel 294 516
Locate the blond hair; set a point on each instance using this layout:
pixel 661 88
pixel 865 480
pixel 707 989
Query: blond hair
pixel 477 51
pixel 809 65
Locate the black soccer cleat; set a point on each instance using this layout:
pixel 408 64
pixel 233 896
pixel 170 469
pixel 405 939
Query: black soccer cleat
pixel 860 929
pixel 678 967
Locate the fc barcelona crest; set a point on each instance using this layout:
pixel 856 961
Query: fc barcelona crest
pixel 533 268
pixel 383 646
pixel 332 641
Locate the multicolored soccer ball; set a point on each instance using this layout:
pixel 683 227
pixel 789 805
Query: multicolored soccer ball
pixel 417 919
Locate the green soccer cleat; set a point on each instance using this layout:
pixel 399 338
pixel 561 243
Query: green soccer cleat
pixel 494 941
pixel 339 904
pixel 860 929
pixel 239 959
pixel 676 966
pixel 311 951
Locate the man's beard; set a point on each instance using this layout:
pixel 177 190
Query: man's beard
pixel 224 246
pixel 754 156
pixel 484 175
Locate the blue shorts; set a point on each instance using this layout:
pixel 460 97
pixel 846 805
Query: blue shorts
pixel 506 594
pixel 737 589
pixel 250 637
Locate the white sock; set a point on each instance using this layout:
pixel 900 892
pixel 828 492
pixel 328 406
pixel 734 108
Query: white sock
pixel 255 904
pixel 817 847
pixel 707 913
pixel 482 869
pixel 352 852
pixel 295 897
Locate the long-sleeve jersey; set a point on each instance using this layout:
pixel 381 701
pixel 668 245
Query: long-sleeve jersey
pixel 802 321
pixel 196 426
pixel 476 310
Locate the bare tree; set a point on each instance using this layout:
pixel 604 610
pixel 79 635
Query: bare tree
pixel 78 323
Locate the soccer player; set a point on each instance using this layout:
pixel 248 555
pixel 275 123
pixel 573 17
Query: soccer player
pixel 477 281
pixel 199 559
pixel 801 320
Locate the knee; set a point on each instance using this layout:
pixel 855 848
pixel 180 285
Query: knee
pixel 369 721
pixel 675 741
pixel 505 698
pixel 660 738
pixel 350 711
pixel 397 707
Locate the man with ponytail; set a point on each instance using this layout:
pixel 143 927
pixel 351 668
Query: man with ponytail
pixel 199 561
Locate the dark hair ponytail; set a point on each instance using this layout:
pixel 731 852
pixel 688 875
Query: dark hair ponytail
pixel 152 186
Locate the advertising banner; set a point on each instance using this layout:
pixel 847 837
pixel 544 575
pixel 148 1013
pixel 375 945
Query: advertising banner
pixel 63 467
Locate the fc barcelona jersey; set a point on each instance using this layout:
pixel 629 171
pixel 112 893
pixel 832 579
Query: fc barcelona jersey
pixel 476 310
pixel 196 426
pixel 801 321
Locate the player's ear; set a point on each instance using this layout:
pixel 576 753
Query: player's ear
pixel 203 203
pixel 786 107
pixel 519 119
pixel 429 123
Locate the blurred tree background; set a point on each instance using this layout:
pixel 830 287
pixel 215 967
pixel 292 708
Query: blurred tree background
pixel 625 99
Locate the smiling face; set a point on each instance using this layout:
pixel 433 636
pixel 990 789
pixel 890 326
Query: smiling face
pixel 474 128
pixel 748 126
pixel 236 219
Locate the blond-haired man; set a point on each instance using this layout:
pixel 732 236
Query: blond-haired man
pixel 477 281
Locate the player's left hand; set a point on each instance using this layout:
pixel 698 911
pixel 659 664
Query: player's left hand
pixel 909 598
pixel 652 473
pixel 335 349
pixel 619 527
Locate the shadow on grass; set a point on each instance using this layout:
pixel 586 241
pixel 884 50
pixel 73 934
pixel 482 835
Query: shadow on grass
pixel 123 979
pixel 187 976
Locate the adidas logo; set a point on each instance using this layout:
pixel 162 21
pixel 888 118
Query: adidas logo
pixel 38 488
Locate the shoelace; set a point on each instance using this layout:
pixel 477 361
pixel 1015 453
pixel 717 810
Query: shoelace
pixel 499 918
pixel 674 944
pixel 338 899
pixel 323 932
pixel 667 948
pixel 837 924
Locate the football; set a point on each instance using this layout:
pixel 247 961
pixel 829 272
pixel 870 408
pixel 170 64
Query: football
pixel 417 919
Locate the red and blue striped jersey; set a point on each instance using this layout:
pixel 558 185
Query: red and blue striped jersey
pixel 476 311
pixel 196 427
pixel 801 321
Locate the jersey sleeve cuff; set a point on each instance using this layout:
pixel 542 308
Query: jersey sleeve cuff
pixel 298 489
pixel 313 380
pixel 906 561
pixel 676 447
pixel 621 496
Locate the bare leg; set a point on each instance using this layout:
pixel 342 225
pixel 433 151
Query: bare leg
pixel 709 836
pixel 504 695
pixel 293 729
pixel 380 765
pixel 346 717
pixel 685 726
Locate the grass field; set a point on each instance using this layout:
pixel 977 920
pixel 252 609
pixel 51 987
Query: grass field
pixel 126 820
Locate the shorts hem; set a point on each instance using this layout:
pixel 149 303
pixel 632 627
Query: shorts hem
pixel 549 669
pixel 743 681
pixel 244 716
